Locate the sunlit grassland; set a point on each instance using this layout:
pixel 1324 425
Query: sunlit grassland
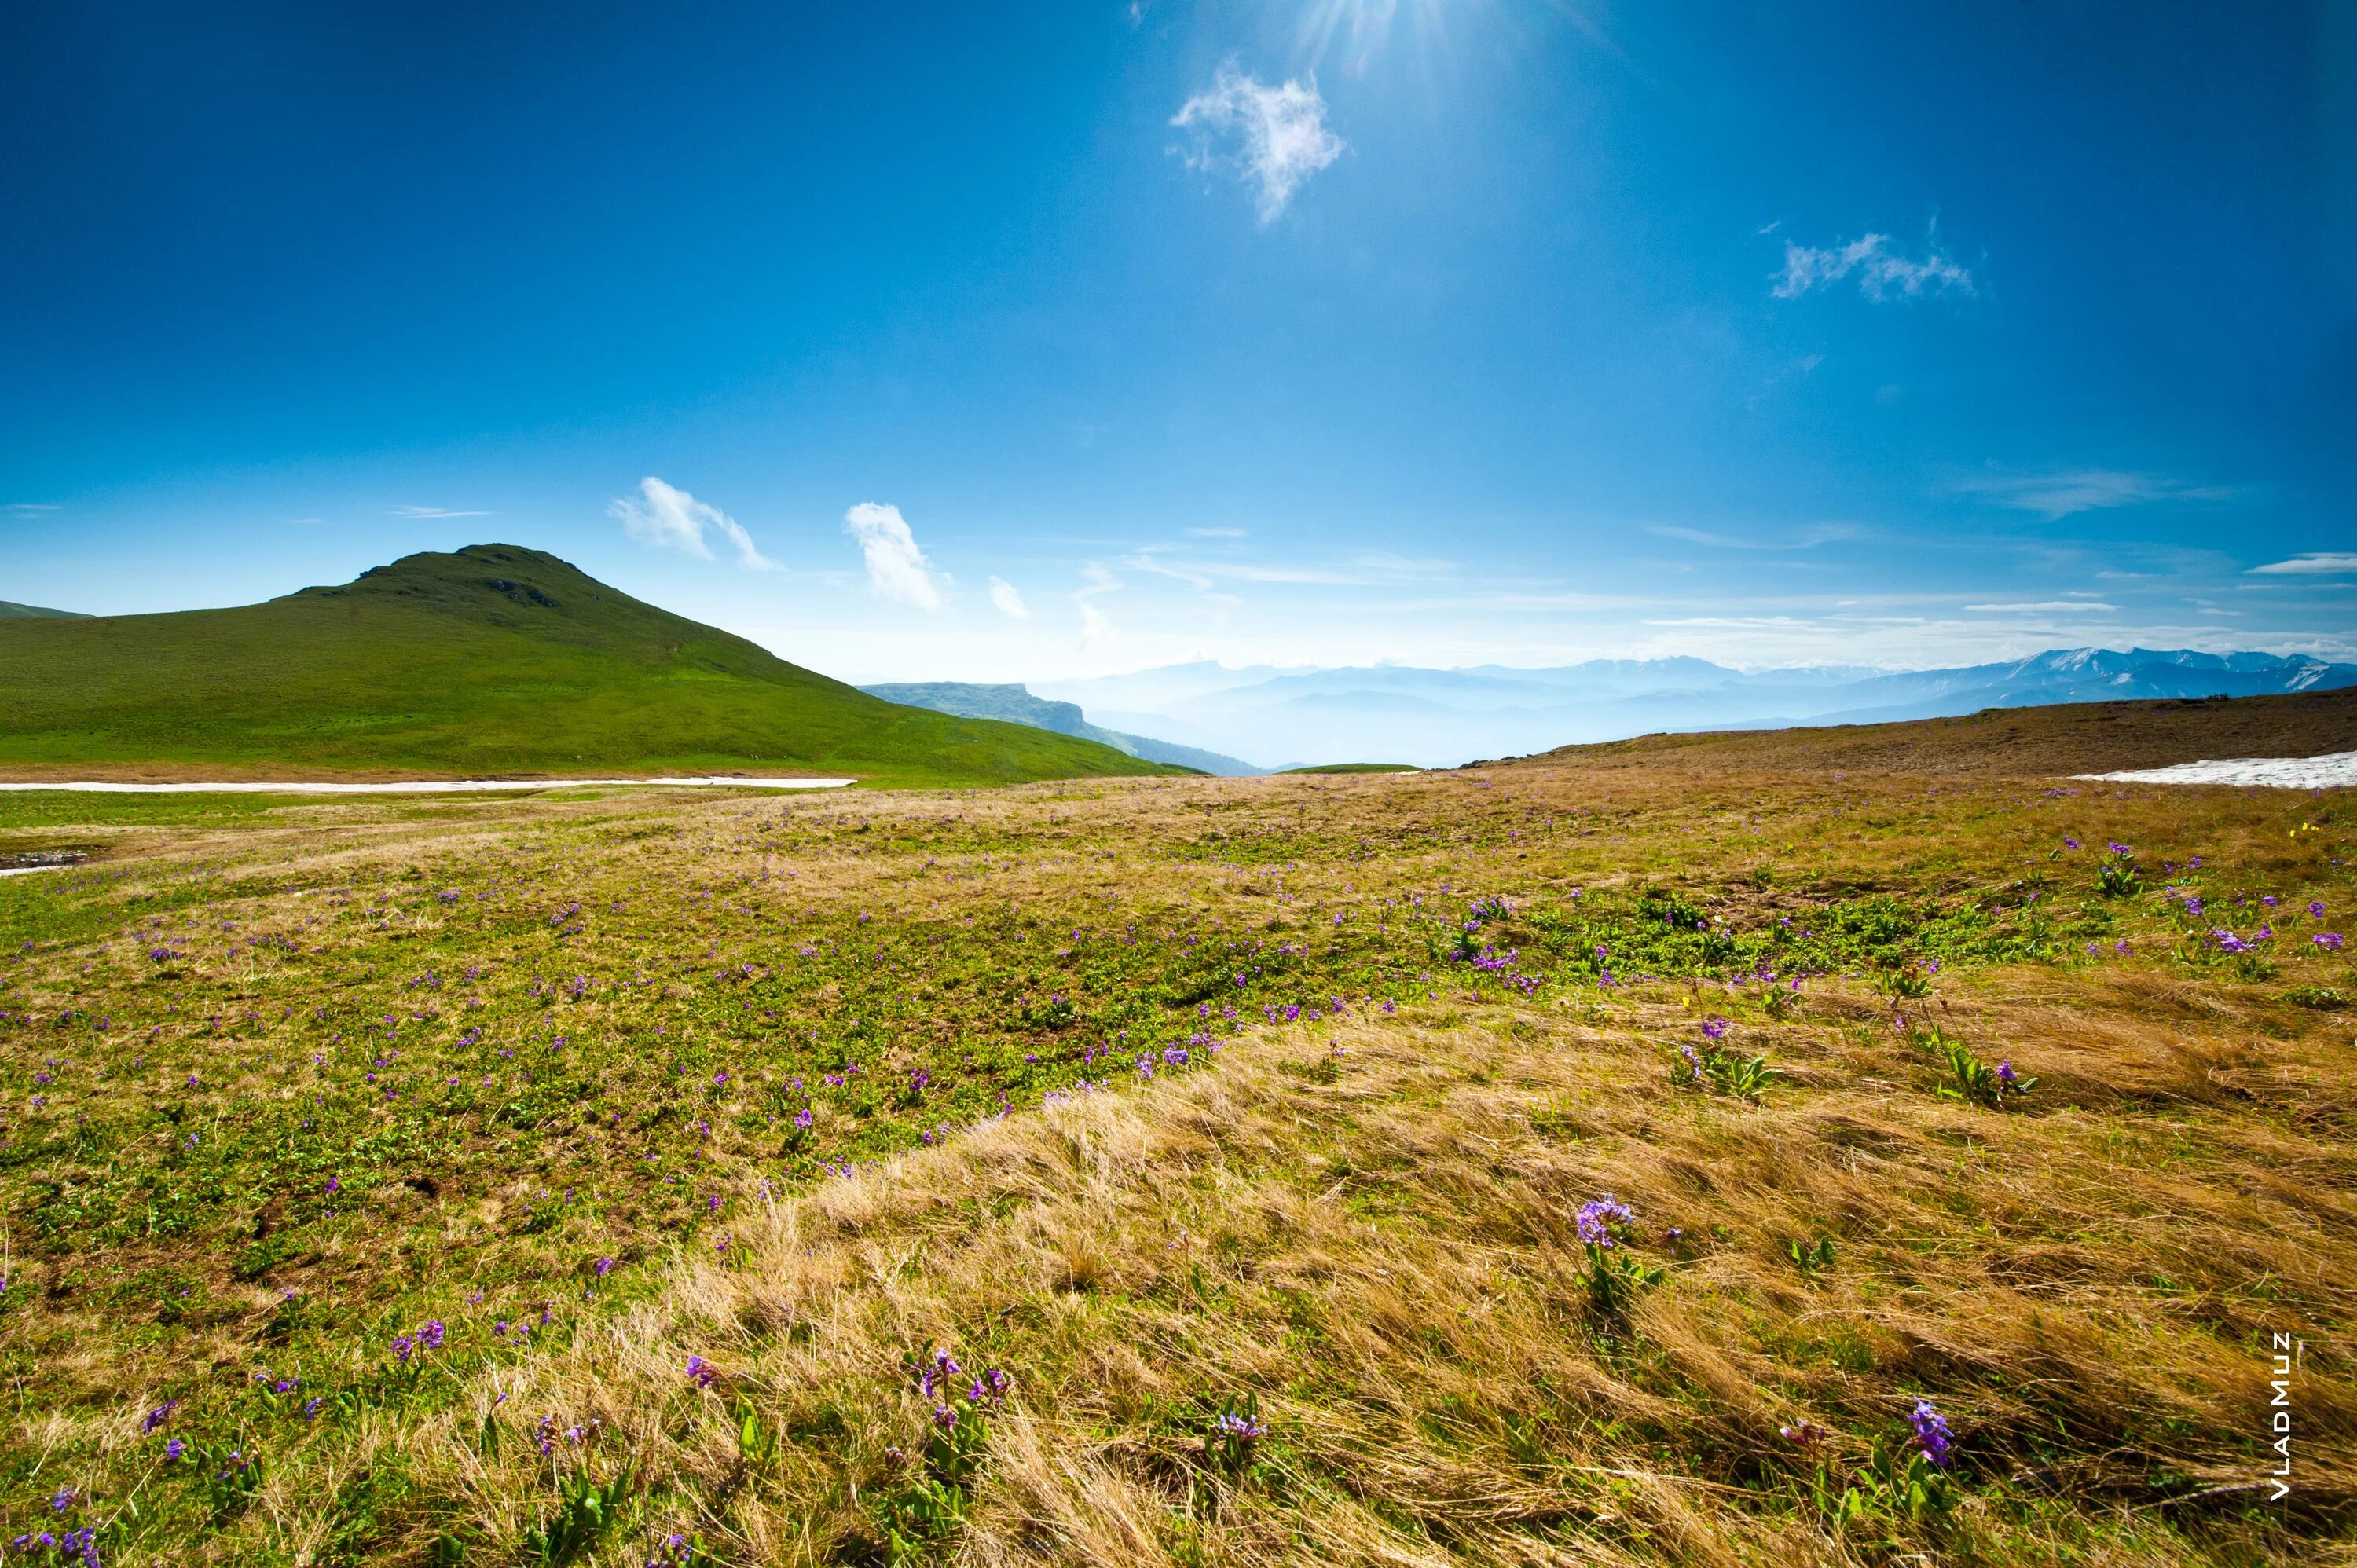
pixel 807 1087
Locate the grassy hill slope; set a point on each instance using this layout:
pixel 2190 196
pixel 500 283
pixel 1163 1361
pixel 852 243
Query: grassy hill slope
pixel 495 659
pixel 9 610
pixel 2074 737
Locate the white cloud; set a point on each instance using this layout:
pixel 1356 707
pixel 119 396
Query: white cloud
pixel 2059 494
pixel 28 509
pixel 1214 532
pixel 433 511
pixel 2310 566
pixel 897 569
pixel 1009 602
pixel 1096 626
pixel 671 519
pixel 1882 273
pixel 1280 132
pixel 2044 607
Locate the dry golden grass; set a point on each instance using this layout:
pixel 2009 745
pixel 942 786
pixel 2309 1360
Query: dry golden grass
pixel 1370 1225
pixel 1390 1257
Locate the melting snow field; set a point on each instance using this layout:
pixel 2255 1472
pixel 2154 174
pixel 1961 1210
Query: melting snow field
pixel 2336 770
pixel 438 787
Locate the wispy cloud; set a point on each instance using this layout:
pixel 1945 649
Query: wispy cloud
pixel 27 508
pixel 1214 532
pixel 1279 134
pixel 2314 564
pixel 1009 602
pixel 671 519
pixel 2059 493
pixel 1808 538
pixel 2044 607
pixel 434 511
pixel 1882 273
pixel 897 569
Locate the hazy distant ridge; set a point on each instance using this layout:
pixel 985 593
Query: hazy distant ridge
pixel 1015 704
pixel 1439 717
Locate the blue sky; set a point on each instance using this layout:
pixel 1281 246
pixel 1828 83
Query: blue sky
pixel 1027 342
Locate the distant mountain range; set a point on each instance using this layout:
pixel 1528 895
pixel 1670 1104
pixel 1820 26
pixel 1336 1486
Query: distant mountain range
pixel 1015 704
pixel 1441 717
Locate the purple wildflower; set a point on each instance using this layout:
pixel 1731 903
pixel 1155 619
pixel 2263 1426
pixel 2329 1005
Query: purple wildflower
pixel 701 1372
pixel 1932 1434
pixel 1597 1217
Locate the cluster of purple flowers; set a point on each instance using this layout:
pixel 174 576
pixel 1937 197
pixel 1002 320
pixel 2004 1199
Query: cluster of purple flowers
pixel 1932 1434
pixel 428 1337
pixel 76 1543
pixel 701 1372
pixel 1237 1424
pixel 1599 1218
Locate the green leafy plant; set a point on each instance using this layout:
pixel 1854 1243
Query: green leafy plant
pixel 1616 1278
pixel 2322 998
pixel 1904 983
pixel 1670 907
pixel 1811 1260
pixel 1974 1080
pixel 1234 1439
pixel 231 1476
pixel 2117 875
pixel 1743 1077
pixel 757 1443
pixel 586 1509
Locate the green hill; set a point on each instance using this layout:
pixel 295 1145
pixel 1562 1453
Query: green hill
pixel 496 660
pixel 10 611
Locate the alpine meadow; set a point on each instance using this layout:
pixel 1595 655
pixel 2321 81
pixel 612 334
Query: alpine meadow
pixel 1638 1157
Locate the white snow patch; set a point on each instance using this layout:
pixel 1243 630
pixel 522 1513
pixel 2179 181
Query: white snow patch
pixel 2334 771
pixel 435 787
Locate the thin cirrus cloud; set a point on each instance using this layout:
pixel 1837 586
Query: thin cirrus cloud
pixel 1273 137
pixel 2059 493
pixel 2045 607
pixel 2313 564
pixel 670 518
pixel 897 569
pixel 1010 603
pixel 432 511
pixel 1882 273
pixel 1808 538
